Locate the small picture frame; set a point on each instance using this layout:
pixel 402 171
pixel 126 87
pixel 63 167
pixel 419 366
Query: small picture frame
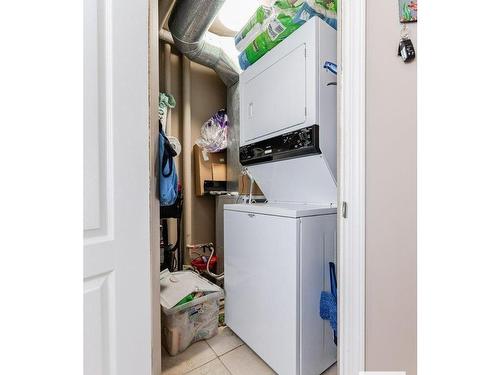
pixel 407 11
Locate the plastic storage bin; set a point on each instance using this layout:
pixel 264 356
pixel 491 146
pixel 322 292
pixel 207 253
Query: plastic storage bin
pixel 190 322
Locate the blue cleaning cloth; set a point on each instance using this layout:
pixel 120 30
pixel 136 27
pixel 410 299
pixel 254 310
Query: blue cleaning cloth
pixel 328 309
pixel 328 302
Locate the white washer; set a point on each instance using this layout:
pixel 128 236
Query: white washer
pixel 276 260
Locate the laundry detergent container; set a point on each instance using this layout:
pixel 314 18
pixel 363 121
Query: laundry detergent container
pixel 192 321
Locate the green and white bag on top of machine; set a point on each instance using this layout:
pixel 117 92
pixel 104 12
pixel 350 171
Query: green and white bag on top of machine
pixel 253 28
pixel 269 26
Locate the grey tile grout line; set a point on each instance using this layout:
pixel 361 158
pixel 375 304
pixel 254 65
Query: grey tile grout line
pixel 219 357
pixel 216 357
pixel 204 363
pixel 236 347
pixel 239 346
pixel 229 351
pixel 223 364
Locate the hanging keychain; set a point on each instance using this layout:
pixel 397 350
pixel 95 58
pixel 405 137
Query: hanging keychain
pixel 405 48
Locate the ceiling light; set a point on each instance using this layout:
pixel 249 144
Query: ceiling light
pixel 235 13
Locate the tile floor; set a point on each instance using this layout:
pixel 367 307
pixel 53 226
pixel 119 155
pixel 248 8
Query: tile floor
pixel 224 354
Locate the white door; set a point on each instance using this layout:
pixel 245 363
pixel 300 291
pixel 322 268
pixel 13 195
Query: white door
pixel 117 297
pixel 267 108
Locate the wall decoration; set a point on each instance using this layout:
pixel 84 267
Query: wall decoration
pixel 407 11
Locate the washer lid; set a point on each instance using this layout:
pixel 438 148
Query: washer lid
pixel 292 210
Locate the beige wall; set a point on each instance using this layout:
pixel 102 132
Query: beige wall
pixel 208 94
pixel 391 137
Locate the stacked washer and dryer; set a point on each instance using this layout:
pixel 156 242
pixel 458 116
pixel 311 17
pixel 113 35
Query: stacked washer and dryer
pixel 277 254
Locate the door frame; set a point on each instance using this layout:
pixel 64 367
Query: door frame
pixel 154 203
pixel 351 186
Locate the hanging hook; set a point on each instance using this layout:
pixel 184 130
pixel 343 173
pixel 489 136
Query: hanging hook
pixel 405 33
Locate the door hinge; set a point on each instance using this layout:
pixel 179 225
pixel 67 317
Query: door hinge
pixel 305 111
pixel 344 210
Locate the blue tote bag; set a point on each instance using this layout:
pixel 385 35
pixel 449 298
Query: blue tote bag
pixel 168 175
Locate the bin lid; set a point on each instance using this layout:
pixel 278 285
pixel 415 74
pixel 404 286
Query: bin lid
pixel 174 286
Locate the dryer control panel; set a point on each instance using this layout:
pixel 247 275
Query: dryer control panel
pixel 290 145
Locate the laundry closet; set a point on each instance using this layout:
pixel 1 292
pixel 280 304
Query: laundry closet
pixel 247 173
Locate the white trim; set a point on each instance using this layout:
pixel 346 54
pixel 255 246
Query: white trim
pixel 154 204
pixel 351 250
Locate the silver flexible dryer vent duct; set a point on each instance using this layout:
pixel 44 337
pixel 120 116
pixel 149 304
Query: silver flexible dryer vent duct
pixel 188 23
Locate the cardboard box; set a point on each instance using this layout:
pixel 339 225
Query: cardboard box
pixel 208 167
pixel 218 172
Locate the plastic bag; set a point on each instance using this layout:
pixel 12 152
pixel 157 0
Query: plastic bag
pixel 278 26
pixel 255 25
pixel 213 134
pixel 324 9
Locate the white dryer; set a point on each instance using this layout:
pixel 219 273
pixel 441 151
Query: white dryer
pixel 288 122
